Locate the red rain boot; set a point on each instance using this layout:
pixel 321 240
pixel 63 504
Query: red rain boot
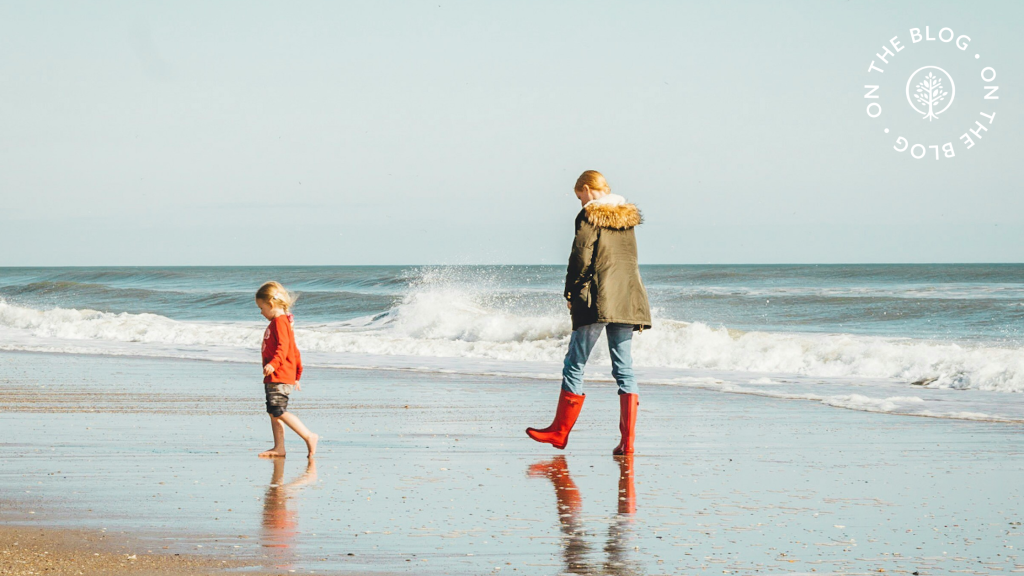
pixel 569 406
pixel 627 423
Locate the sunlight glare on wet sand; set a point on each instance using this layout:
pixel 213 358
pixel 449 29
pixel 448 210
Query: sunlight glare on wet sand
pixel 432 474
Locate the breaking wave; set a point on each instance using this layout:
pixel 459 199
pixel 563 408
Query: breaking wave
pixel 448 320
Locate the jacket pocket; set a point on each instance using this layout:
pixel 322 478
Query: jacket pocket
pixel 585 295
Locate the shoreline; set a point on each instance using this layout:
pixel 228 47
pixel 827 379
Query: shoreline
pixel 710 381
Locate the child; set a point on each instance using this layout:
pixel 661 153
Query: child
pixel 282 367
pixel 604 292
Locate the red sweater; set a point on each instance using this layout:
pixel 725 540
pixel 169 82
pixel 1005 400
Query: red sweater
pixel 280 351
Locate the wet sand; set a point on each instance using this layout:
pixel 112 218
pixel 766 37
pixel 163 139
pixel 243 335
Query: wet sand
pixel 432 474
pixel 61 551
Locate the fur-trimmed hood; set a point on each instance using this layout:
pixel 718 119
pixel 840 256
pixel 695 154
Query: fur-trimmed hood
pixel 612 211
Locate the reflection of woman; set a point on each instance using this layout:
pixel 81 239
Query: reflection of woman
pixel 575 548
pixel 620 531
pixel 280 523
pixel 604 293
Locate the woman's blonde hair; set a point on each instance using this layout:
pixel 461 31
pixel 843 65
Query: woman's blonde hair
pixel 275 295
pixel 592 179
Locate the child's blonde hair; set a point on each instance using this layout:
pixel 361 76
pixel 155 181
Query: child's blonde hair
pixel 594 180
pixel 275 295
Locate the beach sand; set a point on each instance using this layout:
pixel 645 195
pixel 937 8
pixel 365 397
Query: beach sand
pixel 429 473
pixel 59 551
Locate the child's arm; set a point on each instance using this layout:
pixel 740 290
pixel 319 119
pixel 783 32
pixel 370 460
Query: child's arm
pixel 298 364
pixel 282 340
pixel 269 345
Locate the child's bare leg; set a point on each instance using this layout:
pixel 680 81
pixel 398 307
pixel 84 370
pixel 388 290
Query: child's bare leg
pixel 278 450
pixel 294 423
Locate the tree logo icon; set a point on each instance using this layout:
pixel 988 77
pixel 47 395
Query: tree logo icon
pixel 927 91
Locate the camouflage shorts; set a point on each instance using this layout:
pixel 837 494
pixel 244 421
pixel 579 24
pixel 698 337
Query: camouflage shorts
pixel 277 397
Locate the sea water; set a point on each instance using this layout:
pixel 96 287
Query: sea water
pixel 929 340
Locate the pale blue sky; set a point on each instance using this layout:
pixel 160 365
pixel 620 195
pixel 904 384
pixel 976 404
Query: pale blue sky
pixel 449 132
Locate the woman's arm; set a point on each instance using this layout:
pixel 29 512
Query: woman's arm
pixel 581 259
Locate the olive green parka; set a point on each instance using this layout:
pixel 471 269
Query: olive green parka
pixel 602 282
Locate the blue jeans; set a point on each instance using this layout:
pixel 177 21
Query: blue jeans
pixel 620 339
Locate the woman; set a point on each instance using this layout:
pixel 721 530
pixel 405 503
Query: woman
pixel 603 291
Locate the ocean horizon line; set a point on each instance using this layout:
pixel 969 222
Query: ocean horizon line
pixel 481 265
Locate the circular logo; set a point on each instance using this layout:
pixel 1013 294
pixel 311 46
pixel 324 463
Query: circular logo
pixel 930 92
pixel 919 69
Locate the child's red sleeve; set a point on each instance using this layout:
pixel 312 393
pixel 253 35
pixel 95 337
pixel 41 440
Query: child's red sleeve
pixel 298 365
pixel 284 341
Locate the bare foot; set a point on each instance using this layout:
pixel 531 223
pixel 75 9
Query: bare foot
pixel 273 453
pixel 311 443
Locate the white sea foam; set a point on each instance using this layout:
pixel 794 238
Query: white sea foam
pixel 453 323
pixel 71 324
pixel 446 325
pixel 698 346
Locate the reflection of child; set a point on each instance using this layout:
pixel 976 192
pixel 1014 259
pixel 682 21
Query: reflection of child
pixel 282 367
pixel 280 524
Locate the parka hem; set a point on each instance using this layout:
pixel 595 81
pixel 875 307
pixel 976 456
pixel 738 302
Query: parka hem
pixel 636 325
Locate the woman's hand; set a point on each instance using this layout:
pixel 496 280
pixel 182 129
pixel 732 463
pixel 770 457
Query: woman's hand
pixel 268 370
pixel 568 304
